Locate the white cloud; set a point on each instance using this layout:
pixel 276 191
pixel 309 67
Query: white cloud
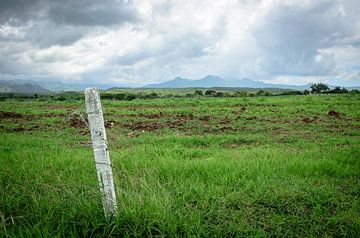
pixel 278 40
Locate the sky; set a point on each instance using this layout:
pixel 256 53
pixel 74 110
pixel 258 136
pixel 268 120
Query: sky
pixel 138 42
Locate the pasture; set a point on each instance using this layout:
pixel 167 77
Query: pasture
pixel 205 167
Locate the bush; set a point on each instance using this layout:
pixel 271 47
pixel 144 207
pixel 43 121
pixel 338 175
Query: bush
pixel 339 89
pixel 241 94
pixel 210 93
pixel 219 94
pixel 198 93
pixel 319 88
pixel 130 97
pixel 292 93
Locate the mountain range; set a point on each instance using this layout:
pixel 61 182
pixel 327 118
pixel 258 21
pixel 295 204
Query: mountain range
pixel 34 86
pixel 210 81
pixel 21 88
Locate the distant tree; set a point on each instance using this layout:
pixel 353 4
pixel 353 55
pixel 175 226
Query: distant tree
pixel 260 93
pixel 210 92
pixel 267 93
pixel 228 94
pixel 61 98
pixel 198 93
pixel 339 89
pixel 292 92
pixel 169 95
pixel 240 94
pixel 130 97
pixel 219 94
pixel 152 95
pixel 306 92
pixel 355 91
pixel 120 96
pixel 319 88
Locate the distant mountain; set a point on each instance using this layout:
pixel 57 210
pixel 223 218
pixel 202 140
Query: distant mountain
pixel 21 88
pixel 53 85
pixel 211 81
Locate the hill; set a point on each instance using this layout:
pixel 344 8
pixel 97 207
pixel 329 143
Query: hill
pixel 7 87
pixel 211 81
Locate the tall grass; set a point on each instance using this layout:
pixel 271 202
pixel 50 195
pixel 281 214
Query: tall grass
pixel 268 179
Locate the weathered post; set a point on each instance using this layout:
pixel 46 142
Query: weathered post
pixel 101 152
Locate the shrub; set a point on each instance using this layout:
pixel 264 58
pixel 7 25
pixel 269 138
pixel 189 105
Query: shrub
pixel 210 93
pixel 319 88
pixel 198 93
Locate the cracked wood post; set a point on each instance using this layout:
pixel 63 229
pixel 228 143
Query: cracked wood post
pixel 101 152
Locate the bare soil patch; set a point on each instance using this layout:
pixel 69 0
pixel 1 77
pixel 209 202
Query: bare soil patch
pixel 333 113
pixel 77 120
pixel 10 115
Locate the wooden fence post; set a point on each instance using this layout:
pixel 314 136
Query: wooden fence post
pixel 101 152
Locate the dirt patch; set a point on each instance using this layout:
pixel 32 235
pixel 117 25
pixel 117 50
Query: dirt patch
pixel 224 121
pixel 10 115
pixel 225 129
pixel 143 126
pixel 205 118
pixel 53 115
pixel 14 115
pixel 110 124
pixel 62 107
pixel 249 118
pixel 77 120
pixel 333 113
pixel 307 120
pixel 152 116
pixel 19 129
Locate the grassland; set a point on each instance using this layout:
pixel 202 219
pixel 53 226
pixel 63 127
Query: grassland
pixel 206 167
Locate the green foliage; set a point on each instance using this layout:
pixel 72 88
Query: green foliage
pixel 151 94
pixel 306 92
pixel 210 93
pixel 319 88
pixel 295 93
pixel 339 89
pixel 241 94
pixel 198 93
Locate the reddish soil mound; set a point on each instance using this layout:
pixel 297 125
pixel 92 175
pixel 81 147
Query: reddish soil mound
pixel 205 118
pixel 152 116
pixel 110 124
pixel 306 120
pixel 144 126
pixel 333 113
pixel 77 120
pixel 309 120
pixel 10 115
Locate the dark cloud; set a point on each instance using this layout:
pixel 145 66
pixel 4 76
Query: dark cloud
pixel 45 34
pixel 91 12
pixel 51 22
pixel 290 37
pixel 17 12
pixel 68 12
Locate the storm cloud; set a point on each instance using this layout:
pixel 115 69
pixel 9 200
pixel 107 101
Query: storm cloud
pixel 139 41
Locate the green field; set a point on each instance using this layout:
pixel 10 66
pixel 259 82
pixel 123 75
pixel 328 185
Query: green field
pixel 205 167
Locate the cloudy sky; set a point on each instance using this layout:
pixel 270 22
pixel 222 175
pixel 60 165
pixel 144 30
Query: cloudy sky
pixel 136 42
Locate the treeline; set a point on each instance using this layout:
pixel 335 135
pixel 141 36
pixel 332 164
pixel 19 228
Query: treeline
pixel 43 97
pixel 69 96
